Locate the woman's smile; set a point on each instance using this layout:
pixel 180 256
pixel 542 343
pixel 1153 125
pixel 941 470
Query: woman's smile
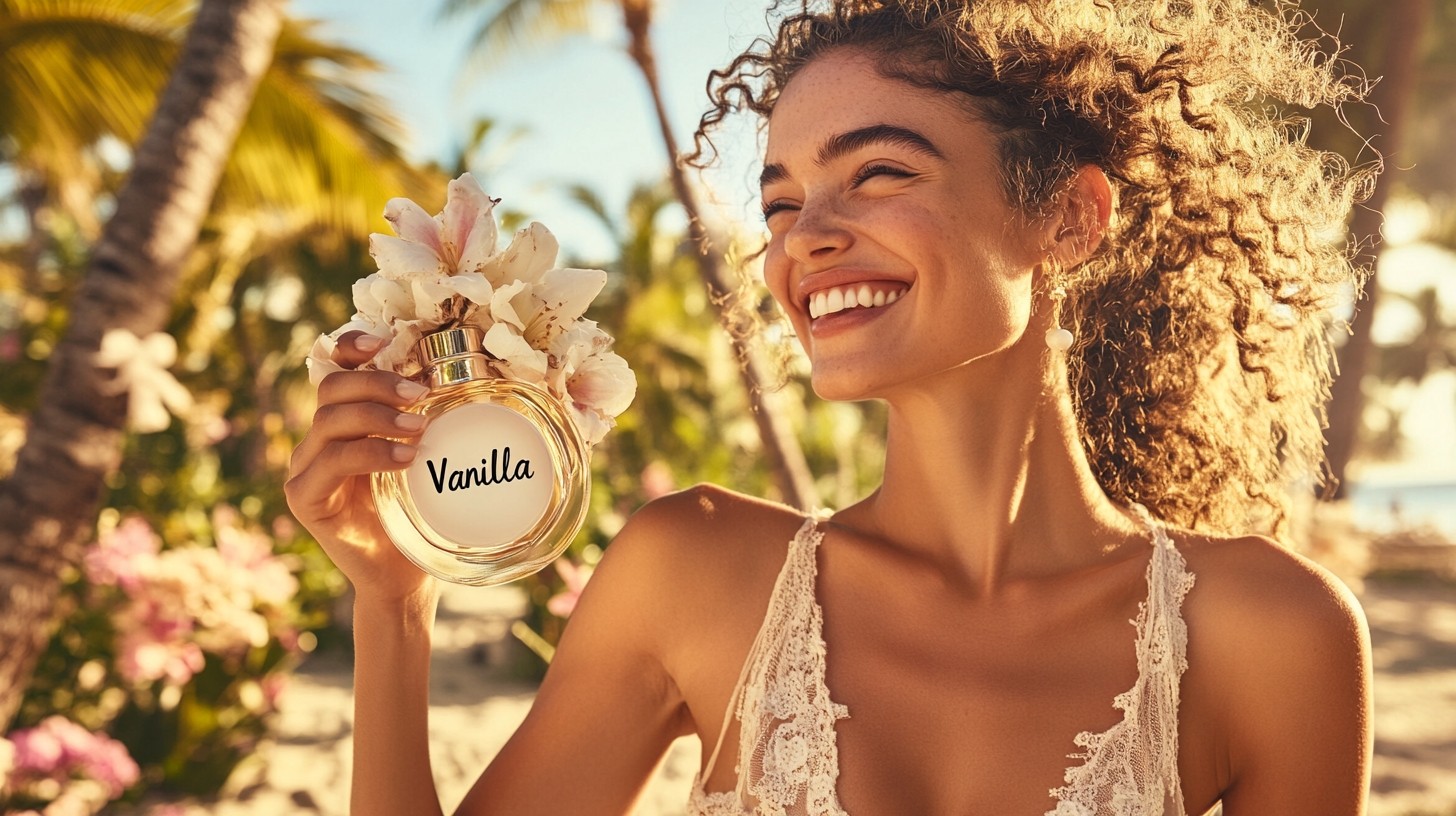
pixel 877 193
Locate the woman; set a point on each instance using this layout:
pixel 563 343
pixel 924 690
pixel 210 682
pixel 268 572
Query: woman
pixel 944 183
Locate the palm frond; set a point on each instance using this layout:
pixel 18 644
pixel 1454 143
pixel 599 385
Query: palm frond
pixel 511 26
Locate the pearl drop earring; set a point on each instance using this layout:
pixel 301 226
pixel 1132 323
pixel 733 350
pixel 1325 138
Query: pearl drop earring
pixel 1058 338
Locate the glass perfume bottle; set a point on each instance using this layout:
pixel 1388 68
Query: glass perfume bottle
pixel 502 479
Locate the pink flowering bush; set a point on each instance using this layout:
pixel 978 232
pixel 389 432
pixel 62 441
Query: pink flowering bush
pixel 58 761
pixel 176 648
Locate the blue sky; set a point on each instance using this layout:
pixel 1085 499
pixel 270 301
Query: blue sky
pixel 584 107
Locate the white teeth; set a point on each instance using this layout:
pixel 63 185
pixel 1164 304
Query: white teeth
pixel 829 301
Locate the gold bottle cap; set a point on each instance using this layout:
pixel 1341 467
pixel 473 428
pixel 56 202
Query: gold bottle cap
pixel 454 356
pixel 454 342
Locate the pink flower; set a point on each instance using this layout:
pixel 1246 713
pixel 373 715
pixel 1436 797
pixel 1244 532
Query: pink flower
pixel 251 554
pixel 144 658
pixel 38 751
pixel 123 556
pixel 563 603
pixel 109 763
pixel 58 749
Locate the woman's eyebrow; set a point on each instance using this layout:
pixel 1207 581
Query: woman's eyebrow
pixel 841 144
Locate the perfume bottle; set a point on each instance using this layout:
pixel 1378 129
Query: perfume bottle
pixel 501 481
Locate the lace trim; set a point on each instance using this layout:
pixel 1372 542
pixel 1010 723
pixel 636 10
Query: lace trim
pixel 1131 769
pixel 788 752
pixel 787 717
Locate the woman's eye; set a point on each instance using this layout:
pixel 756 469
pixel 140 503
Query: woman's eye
pixel 772 208
pixel 871 170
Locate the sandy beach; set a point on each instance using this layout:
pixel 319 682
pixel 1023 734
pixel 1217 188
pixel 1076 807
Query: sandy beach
pixel 474 708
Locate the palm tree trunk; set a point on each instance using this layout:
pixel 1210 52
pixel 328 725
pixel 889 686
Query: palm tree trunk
pixel 790 469
pixel 1407 21
pixel 49 504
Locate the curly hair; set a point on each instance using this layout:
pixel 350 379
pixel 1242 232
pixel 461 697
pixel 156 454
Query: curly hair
pixel 1203 361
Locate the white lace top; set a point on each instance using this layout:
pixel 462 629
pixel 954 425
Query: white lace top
pixel 788 756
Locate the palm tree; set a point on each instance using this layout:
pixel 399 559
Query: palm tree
pixel 510 22
pixel 78 81
pixel 48 505
pixel 1396 57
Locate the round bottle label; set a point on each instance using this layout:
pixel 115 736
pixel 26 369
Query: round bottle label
pixel 483 476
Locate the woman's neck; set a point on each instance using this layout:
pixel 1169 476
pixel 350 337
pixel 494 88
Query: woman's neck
pixel 985 473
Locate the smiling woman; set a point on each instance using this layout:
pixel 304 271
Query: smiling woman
pixel 945 183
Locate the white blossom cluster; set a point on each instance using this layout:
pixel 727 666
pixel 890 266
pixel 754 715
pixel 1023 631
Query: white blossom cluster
pixel 444 271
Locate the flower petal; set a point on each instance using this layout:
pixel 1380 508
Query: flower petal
pixel 473 287
pixel 383 301
pixel 399 259
pixel 563 295
pixel 412 223
pixel 531 252
pixel 467 212
pixel 502 307
pixel 604 382
pixel 592 425
pixel 517 355
pixel 400 355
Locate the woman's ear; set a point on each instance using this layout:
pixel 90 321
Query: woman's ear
pixel 1082 217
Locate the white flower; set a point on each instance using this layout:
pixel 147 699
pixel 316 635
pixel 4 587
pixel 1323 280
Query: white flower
pixel 531 252
pixel 399 259
pixel 444 270
pixel 520 359
pixel 558 300
pixel 153 394
pixel 604 382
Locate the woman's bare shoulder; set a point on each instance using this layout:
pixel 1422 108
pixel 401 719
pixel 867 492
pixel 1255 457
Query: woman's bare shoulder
pixel 707 527
pixel 1280 649
pixel 1254 589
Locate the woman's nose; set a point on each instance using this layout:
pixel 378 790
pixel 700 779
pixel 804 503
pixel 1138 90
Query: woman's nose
pixel 818 231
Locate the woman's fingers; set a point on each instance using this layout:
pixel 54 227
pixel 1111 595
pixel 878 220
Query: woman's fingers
pixel 384 387
pixel 341 422
pixel 355 348
pixel 313 491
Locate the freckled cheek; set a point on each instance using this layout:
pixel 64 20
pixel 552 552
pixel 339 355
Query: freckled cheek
pixel 776 275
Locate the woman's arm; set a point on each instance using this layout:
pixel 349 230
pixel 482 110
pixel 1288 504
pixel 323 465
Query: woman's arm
pixel 1295 649
pixel 606 711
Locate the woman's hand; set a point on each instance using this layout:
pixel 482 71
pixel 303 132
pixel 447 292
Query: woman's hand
pixel 358 418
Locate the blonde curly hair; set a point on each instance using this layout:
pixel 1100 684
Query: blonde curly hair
pixel 1202 363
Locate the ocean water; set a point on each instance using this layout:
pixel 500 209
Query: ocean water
pixel 1384 507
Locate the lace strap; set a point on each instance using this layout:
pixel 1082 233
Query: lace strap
pixel 1133 766
pixel 760 641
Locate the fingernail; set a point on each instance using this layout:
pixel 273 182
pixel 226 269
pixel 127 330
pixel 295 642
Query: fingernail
pixel 368 342
pixel 410 390
pixel 402 453
pixel 409 422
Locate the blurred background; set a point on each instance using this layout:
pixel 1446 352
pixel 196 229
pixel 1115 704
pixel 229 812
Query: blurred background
pixel 201 660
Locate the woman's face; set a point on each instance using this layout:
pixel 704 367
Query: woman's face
pixel 886 196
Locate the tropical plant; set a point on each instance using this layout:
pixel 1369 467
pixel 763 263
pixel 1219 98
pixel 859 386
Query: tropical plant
pixel 277 244
pixel 512 23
